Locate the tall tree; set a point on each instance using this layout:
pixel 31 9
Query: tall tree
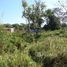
pixel 34 13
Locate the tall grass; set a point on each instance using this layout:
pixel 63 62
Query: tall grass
pixel 22 50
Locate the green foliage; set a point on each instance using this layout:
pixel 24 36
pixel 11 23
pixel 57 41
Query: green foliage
pixel 53 22
pixel 34 13
pixel 64 26
pixel 31 37
pixel 45 49
pixel 7 25
pixel 27 37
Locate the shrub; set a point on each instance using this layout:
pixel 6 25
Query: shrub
pixel 48 52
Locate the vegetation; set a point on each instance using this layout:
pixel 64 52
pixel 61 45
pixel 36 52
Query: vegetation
pixel 30 45
pixel 34 13
pixel 53 22
pixel 22 50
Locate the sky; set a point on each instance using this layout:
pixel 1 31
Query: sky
pixel 11 10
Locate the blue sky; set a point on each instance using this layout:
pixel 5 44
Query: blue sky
pixel 11 10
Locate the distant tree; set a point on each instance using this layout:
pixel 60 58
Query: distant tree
pixel 23 27
pixel 7 25
pixel 16 26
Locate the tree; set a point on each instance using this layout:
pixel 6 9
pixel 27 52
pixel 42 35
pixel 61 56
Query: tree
pixel 61 11
pixel 8 25
pixel 34 13
pixel 53 22
pixel 16 26
pixel 63 5
pixel 26 11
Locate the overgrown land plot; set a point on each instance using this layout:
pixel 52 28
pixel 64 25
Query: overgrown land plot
pixel 34 44
pixel 23 50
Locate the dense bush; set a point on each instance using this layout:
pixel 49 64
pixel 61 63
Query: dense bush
pixel 46 49
pixel 31 37
pixel 50 53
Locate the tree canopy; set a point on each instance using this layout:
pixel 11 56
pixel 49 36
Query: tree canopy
pixel 34 13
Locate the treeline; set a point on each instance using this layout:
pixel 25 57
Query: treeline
pixel 53 24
